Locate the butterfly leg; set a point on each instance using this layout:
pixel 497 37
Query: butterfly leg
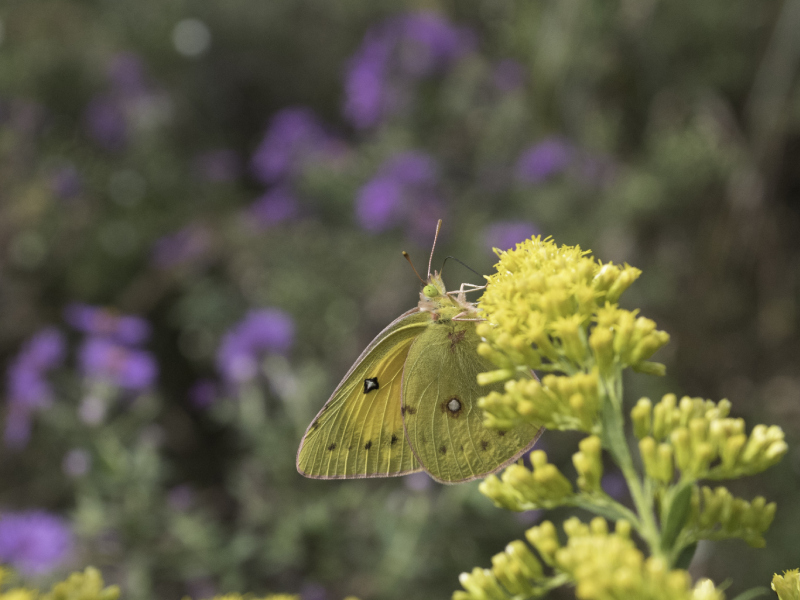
pixel 459 316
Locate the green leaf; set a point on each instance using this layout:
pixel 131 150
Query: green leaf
pixel 685 557
pixel 680 502
pixel 752 593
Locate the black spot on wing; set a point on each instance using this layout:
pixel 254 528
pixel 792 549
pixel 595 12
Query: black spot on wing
pixel 393 440
pixel 442 449
pixel 370 384
pixel 368 445
pixel 484 445
pixel 332 446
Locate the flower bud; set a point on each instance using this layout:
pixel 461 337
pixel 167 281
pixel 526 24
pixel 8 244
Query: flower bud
pixel 641 415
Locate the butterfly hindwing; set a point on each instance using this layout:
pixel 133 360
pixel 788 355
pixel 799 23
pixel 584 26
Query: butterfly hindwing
pixel 359 431
pixel 441 417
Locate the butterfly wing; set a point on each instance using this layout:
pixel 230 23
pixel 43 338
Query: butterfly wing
pixel 359 431
pixel 442 420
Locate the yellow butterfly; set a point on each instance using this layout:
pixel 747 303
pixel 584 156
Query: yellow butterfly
pixel 409 403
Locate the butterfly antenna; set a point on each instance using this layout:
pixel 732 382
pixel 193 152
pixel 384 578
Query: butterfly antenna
pixel 435 237
pixel 408 258
pixel 463 264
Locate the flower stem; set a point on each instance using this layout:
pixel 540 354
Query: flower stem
pixel 615 441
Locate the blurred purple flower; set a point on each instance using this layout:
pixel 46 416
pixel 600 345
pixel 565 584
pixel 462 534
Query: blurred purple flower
pixel 614 484
pixel 44 350
pixel 273 207
pixel 429 43
pixel 509 75
pixel 379 204
pixel 404 190
pixel 203 393
pixel 266 330
pixel 545 159
pixel 106 123
pixel 65 182
pixel 104 360
pixel 126 74
pixel 218 165
pixel 393 54
pixel 365 82
pixel 99 321
pixel 294 136
pixel 26 386
pixel 505 235
pixel 180 247
pixel 34 542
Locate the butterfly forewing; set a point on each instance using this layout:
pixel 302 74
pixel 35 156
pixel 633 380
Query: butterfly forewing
pixel 442 420
pixel 359 431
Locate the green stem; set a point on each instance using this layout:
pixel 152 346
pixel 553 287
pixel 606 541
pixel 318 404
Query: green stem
pixel 615 441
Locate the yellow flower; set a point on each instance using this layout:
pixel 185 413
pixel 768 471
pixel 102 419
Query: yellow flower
pixel 787 585
pixel 554 308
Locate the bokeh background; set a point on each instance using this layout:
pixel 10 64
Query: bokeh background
pixel 202 208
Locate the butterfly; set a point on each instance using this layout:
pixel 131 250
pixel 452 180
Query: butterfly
pixel 409 403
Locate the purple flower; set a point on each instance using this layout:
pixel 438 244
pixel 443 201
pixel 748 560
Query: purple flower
pixel 102 359
pixel 614 485
pixel 34 542
pixel 126 73
pixel 26 386
pixel 404 190
pixel 106 123
pixel 44 350
pixel 294 136
pixel 505 235
pixel 203 393
pixel 183 246
pixel 509 75
pixel 218 165
pixel 429 43
pixel 379 204
pixel 266 330
pixel 366 80
pixel 65 182
pixel 543 160
pixel 394 54
pixel 275 206
pixel 99 321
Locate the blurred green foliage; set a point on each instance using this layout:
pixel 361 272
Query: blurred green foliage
pixel 693 108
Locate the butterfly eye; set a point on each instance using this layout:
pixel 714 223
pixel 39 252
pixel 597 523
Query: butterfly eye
pixel 431 291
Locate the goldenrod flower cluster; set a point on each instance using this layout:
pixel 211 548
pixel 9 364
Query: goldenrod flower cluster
pixel 89 585
pixel 554 309
pixel 519 488
pixel 787 585
pixel 558 402
pixel 601 565
pixel 697 437
pixel 717 515
pixel 78 586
